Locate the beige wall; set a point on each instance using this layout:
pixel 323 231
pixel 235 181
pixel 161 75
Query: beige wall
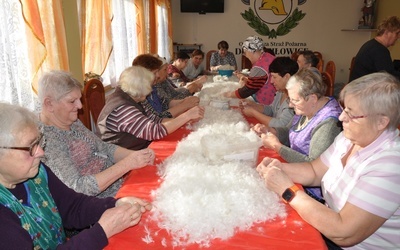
pixel 321 29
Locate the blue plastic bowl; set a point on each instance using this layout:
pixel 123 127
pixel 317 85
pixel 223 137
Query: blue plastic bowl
pixel 227 72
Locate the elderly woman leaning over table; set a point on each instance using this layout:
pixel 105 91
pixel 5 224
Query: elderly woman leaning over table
pixel 75 154
pixel 125 122
pixel 313 128
pixel 257 83
pixel 359 173
pixel 278 114
pixel 164 100
pixel 35 205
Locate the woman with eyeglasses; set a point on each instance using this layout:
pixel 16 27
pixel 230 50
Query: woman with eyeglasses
pixel 313 127
pixel 75 154
pixel 35 205
pixel 359 173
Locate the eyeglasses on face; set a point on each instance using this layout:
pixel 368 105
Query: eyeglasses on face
pixel 33 148
pixel 353 117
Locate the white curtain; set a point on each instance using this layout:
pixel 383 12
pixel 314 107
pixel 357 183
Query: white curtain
pixel 15 76
pixel 162 31
pixel 124 38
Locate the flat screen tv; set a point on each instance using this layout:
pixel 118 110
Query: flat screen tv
pixel 202 6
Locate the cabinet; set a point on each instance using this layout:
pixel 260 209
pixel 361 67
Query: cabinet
pixel 186 47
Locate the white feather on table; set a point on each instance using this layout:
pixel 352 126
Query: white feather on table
pixel 202 199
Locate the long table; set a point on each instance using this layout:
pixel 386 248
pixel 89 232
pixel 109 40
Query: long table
pixel 291 232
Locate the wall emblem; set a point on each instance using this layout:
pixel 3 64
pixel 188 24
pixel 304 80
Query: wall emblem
pixel 266 13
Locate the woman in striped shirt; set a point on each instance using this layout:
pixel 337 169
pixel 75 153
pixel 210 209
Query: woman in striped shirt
pixel 359 173
pixel 125 122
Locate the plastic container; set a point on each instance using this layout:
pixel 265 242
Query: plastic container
pixel 220 104
pixel 220 147
pixel 226 72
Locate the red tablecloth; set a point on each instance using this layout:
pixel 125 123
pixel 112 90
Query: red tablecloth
pixel 289 233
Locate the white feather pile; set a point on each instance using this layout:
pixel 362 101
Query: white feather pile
pixel 201 199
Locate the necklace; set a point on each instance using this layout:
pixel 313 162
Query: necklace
pixel 303 122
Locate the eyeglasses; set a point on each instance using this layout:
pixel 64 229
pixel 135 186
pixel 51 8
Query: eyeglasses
pixel 353 117
pixel 33 148
pixel 296 101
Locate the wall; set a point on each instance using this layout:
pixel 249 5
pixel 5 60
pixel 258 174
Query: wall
pixel 320 29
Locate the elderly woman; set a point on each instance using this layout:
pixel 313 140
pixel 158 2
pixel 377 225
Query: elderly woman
pixel 164 100
pixel 222 57
pixel 75 154
pixel 258 83
pixel 35 205
pixel 278 114
pixel 125 122
pixel 359 173
pixel 313 128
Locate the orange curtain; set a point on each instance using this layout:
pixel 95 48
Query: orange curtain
pixel 96 39
pixel 141 27
pixel 46 36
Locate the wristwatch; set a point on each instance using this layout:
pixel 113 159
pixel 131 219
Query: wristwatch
pixel 290 193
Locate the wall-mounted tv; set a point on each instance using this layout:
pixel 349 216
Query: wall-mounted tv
pixel 202 6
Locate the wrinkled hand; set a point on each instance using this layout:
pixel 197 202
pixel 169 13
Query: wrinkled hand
pixel 247 110
pixel 259 129
pixel 194 87
pixel 190 102
pixel 201 79
pixel 140 158
pixel 229 94
pixel 117 219
pixel 144 205
pixel 271 141
pixel 195 114
pixel 275 178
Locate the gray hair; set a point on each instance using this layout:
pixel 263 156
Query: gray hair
pixel 136 81
pixel 56 84
pixel 310 83
pixel 13 119
pixel 378 94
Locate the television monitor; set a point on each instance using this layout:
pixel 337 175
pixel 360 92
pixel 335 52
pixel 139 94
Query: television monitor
pixel 202 6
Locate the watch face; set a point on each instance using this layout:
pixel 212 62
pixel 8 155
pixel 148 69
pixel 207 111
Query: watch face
pixel 288 195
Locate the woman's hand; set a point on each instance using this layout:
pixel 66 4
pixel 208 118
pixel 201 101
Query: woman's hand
pixel 195 114
pixel 119 218
pixel 271 141
pixel 275 178
pixel 145 205
pixel 259 129
pixel 140 158
pixel 190 102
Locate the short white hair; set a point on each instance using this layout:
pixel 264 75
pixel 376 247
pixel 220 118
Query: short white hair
pixel 136 81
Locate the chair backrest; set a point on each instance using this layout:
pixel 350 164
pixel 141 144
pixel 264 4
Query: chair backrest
pixel 208 57
pixel 246 63
pixel 320 65
pixel 351 66
pixel 294 56
pixel 330 68
pixel 327 79
pixel 93 101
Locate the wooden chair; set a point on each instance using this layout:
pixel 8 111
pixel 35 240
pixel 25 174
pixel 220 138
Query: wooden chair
pixel 320 65
pixel 246 63
pixel 327 79
pixel 351 66
pixel 93 99
pixel 294 56
pixel 330 68
pixel 208 57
